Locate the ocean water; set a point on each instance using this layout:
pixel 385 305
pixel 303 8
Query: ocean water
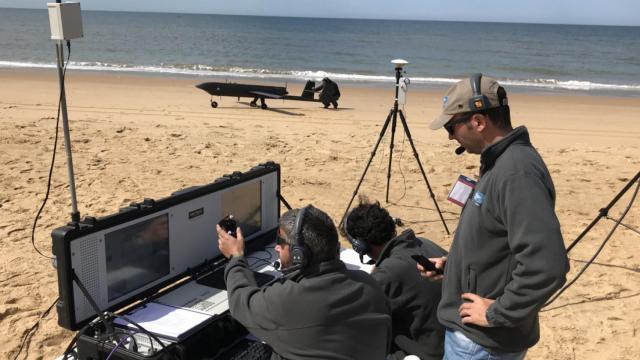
pixel 528 56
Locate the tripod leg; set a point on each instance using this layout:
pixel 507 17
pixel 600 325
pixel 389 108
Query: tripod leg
pixel 394 111
pixel 373 153
pixel 604 211
pixel 424 175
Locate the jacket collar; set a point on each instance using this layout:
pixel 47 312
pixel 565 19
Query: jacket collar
pixel 491 153
pixel 406 239
pixel 322 268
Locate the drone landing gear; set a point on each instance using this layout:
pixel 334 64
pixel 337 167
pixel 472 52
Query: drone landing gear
pixel 214 104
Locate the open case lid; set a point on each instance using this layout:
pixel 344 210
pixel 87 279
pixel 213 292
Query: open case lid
pixel 130 255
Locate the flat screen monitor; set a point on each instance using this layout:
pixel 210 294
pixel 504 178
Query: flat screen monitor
pixel 137 255
pixel 244 202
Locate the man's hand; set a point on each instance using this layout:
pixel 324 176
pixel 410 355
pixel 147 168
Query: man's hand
pixel 432 275
pixel 475 311
pixel 228 245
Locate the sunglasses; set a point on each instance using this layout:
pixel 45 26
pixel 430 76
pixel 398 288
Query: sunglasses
pixel 451 125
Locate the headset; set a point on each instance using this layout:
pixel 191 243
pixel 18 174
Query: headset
pixel 478 102
pixel 300 254
pixel 359 246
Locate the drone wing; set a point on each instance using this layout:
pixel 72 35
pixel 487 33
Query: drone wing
pixel 264 94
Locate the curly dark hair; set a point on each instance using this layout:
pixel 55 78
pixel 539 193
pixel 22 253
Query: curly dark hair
pixel 371 223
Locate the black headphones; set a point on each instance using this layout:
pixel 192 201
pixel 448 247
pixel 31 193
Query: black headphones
pixel 478 102
pixel 300 254
pixel 359 246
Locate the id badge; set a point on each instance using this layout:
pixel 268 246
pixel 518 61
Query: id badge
pixel 461 191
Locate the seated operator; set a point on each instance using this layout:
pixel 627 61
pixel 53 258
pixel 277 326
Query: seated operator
pixel 319 309
pixel 414 302
pixel 330 93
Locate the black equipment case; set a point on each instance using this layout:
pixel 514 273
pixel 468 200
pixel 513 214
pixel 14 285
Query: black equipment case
pixel 83 277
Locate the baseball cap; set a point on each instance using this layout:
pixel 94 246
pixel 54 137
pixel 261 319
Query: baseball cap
pixel 460 98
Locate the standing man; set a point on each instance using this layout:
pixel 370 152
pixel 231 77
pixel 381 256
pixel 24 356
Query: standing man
pixel 416 330
pixel 507 257
pixel 320 310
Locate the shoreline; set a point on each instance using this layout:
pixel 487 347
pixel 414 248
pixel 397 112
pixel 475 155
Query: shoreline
pixel 532 89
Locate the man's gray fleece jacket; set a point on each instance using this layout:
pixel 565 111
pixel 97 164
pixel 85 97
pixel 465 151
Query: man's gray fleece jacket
pixel 507 247
pixel 322 312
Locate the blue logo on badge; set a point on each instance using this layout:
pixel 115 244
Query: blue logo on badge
pixel 445 101
pixel 478 198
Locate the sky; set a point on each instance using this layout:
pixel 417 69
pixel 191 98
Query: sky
pixel 588 12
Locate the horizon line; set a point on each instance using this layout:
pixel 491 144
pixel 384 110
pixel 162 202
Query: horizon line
pixel 333 18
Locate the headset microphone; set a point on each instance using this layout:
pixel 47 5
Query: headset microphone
pixel 370 262
pixel 460 150
pixel 289 269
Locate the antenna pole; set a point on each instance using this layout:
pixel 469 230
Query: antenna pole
pixel 75 214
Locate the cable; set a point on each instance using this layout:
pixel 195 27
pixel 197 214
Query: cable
pixel 69 348
pixel 33 329
pixel 154 337
pixel 118 345
pixel 404 179
pixel 629 227
pixel 53 159
pixel 604 242
pixel 263 260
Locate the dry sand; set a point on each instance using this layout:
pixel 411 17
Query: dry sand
pixel 146 136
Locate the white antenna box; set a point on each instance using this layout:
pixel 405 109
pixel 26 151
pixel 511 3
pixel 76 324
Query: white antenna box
pixel 65 20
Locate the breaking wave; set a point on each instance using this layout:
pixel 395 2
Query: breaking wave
pixel 205 70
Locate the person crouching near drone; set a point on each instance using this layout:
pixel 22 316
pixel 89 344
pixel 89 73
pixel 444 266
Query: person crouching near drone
pixel 330 93
pixel 319 309
pixel 414 302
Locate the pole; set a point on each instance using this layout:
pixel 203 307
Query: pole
pixel 393 128
pixel 75 214
pixel 604 211
pixel 405 126
pixel 392 119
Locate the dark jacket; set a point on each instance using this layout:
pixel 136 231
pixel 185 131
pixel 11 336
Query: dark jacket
pixel 324 312
pixel 330 91
pixel 413 300
pixel 507 247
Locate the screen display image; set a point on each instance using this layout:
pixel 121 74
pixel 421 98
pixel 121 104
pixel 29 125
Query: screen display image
pixel 137 255
pixel 244 202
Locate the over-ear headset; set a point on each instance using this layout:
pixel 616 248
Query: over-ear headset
pixel 478 102
pixel 300 254
pixel 359 246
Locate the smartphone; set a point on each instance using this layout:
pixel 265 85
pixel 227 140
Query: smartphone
pixel 426 264
pixel 229 225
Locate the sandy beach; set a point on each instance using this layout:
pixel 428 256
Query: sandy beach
pixel 146 136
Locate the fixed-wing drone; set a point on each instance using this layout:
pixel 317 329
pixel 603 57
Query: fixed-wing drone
pixel 256 92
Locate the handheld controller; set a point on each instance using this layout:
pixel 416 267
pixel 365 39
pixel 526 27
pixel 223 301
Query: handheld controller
pixel 426 264
pixel 229 225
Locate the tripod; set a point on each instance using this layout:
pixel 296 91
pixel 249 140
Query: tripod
pixel 393 119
